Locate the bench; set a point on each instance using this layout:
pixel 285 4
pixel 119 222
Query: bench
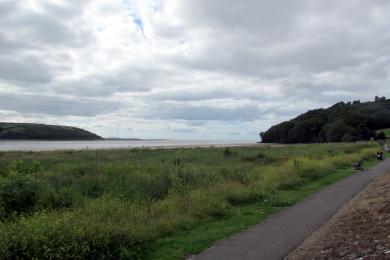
pixel 379 156
pixel 358 166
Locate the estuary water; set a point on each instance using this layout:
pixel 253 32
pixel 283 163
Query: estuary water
pixel 28 145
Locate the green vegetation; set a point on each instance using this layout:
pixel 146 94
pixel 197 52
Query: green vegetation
pixel 343 122
pixel 44 132
pixel 383 133
pixel 153 204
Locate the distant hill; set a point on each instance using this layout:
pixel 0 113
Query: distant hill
pixel 44 132
pixel 341 122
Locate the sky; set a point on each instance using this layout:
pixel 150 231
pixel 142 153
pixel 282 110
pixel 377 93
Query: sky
pixel 188 69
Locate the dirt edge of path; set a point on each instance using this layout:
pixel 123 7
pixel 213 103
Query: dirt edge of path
pixel 359 230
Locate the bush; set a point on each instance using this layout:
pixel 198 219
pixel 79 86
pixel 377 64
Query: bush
pixel 253 158
pixel 24 167
pixel 18 193
pixel 381 136
pixel 227 152
pixel 50 198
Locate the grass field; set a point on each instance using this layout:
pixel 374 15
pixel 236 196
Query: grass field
pixel 154 204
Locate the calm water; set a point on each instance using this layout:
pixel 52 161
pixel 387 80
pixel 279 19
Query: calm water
pixel 109 144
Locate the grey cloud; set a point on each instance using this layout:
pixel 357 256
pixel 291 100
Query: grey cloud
pixel 25 69
pixel 8 7
pixel 7 45
pixel 132 78
pixel 199 113
pixel 55 105
pixel 266 19
pixel 207 95
pixel 255 36
pixel 68 9
pixel 45 30
pixel 235 133
pixel 184 95
pixel 196 123
pixel 51 26
pixel 184 130
pixel 103 83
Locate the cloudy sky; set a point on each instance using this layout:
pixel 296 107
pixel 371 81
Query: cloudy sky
pixel 187 69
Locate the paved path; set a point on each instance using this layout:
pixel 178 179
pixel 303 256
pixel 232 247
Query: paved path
pixel 275 237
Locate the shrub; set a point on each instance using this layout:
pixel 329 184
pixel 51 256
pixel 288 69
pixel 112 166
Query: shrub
pixel 381 136
pixel 25 167
pixel 254 158
pixel 227 152
pixel 18 193
pixel 65 197
pixel 260 155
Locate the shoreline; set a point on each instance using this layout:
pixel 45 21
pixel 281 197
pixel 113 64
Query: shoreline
pixel 44 145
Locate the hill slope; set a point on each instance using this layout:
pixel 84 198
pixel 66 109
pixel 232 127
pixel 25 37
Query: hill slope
pixel 44 132
pixel 341 122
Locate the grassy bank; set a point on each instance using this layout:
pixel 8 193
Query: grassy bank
pixel 154 203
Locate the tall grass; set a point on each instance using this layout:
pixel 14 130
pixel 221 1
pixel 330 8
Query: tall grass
pixel 112 204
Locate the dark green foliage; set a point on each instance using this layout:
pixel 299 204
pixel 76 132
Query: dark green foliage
pixel 18 187
pixel 339 123
pixel 381 136
pixel 24 167
pixel 44 132
pixel 227 152
pixel 18 194
pixel 336 132
pixel 260 157
pixel 177 162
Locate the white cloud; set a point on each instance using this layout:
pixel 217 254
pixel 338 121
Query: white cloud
pixel 187 69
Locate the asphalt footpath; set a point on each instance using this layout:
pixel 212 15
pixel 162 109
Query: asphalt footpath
pixel 276 236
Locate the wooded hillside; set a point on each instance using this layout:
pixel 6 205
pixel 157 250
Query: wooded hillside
pixel 338 123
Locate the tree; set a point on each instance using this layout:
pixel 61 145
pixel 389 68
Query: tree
pixel 381 136
pixel 261 135
pixel 363 132
pixel 335 132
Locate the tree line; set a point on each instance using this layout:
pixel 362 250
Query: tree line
pixel 342 122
